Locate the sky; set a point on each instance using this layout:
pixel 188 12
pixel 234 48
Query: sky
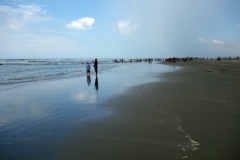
pixel 119 28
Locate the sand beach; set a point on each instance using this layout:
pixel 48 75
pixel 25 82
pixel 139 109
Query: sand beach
pixel 190 112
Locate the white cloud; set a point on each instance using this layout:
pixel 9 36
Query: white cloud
pixel 200 39
pixel 217 42
pixel 18 16
pixel 220 46
pixel 126 28
pixel 83 23
pixel 239 24
pixel 213 42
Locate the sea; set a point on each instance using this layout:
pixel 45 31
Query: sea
pixel 17 71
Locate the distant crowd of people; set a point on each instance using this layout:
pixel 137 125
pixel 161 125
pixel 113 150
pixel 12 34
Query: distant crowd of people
pixel 133 60
pixel 227 58
pixel 149 60
pixel 174 59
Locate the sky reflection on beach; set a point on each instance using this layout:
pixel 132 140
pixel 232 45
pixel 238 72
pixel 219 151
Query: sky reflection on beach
pixel 48 110
pixel 41 99
pixel 89 98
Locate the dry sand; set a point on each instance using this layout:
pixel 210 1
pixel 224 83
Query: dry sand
pixel 205 105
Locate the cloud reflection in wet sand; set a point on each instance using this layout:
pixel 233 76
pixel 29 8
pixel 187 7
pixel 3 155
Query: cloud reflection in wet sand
pixel 84 97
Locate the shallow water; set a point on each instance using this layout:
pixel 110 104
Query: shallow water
pixel 18 71
pixel 36 115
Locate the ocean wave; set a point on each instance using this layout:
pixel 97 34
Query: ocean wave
pixel 26 78
pixel 50 61
pixel 15 71
pixel 62 73
pixel 31 78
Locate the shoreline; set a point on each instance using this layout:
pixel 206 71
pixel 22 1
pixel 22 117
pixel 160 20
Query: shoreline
pixel 206 114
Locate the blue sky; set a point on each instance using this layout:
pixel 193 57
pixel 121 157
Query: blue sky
pixel 119 28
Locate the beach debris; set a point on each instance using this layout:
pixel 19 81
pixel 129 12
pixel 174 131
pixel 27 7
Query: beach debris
pixel 208 71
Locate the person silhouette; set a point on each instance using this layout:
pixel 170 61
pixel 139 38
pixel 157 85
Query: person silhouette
pixel 96 83
pixel 88 79
pixel 96 66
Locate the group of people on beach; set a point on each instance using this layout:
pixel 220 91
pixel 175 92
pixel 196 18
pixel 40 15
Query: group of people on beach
pixel 95 65
pixel 184 59
pixel 88 68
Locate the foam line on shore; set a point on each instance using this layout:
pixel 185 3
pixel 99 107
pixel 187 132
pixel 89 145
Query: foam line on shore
pixel 191 144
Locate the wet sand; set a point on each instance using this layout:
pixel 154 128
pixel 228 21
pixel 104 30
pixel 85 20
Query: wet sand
pixel 34 117
pixel 209 105
pixel 191 114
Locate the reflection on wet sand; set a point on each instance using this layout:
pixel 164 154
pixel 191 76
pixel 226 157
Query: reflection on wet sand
pixel 40 114
pixel 84 97
pixel 96 83
pixel 88 79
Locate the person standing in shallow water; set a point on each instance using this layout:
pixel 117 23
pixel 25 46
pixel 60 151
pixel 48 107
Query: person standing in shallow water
pixel 88 67
pixel 96 66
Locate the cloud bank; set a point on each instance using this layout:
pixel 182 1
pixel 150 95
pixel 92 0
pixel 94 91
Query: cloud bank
pixel 220 46
pixel 212 42
pixel 18 16
pixel 82 24
pixel 217 42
